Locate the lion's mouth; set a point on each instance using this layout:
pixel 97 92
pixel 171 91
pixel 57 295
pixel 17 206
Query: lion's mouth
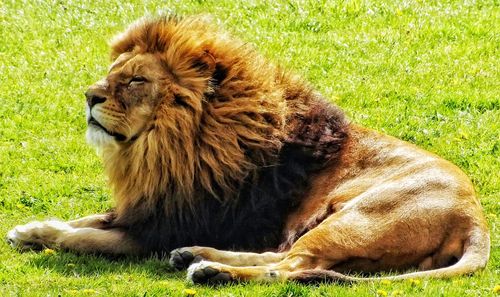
pixel 117 136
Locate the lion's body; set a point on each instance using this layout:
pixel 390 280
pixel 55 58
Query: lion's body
pixel 384 190
pixel 206 144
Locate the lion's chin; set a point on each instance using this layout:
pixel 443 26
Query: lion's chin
pixel 99 138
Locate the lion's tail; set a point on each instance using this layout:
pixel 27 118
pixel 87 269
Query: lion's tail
pixel 475 257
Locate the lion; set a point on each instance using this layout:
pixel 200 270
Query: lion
pixel 243 172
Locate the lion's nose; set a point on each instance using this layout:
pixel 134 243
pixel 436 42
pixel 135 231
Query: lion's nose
pixel 94 98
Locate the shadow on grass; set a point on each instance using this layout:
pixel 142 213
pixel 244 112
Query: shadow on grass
pixel 71 264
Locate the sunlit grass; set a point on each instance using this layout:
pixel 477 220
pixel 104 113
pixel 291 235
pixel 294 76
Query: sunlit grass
pixel 423 71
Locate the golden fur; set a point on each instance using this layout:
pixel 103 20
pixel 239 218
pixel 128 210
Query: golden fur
pixel 194 126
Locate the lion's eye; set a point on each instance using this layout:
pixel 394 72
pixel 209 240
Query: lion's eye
pixel 137 80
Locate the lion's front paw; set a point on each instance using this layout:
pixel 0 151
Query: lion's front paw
pixel 206 272
pixel 181 258
pixel 35 235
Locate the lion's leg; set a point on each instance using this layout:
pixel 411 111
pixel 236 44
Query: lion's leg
pixel 57 234
pixel 320 248
pixel 182 257
pixel 214 272
pixel 99 221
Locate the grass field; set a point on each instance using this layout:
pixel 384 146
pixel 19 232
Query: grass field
pixel 423 71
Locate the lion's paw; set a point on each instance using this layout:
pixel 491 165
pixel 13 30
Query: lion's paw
pixel 36 235
pixel 206 272
pixel 181 258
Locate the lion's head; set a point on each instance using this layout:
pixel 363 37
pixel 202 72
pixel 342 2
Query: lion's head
pixel 183 108
pixel 122 105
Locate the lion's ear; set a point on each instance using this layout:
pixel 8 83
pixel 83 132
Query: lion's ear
pixel 207 65
pixel 219 74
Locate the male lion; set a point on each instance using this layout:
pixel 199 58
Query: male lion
pixel 207 144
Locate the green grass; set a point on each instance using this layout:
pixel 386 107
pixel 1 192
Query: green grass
pixel 423 71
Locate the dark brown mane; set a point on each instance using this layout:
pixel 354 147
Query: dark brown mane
pixel 241 150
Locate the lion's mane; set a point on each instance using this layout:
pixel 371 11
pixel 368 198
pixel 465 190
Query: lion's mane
pixel 226 169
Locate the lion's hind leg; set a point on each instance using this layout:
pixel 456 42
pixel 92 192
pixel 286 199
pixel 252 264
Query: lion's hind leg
pixel 311 251
pixel 207 272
